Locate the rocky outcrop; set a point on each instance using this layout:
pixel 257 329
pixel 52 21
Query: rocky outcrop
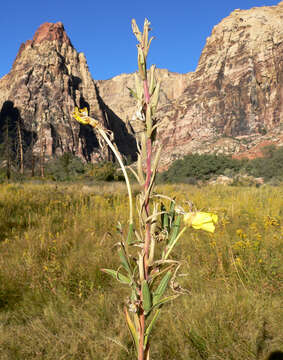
pixel 48 79
pixel 231 104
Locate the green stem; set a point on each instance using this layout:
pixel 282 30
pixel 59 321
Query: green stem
pixel 105 137
pixel 174 242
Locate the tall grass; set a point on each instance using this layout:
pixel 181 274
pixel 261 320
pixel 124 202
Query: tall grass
pixel 56 303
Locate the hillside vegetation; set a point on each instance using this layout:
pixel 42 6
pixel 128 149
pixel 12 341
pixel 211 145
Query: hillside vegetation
pixel 191 169
pixel 195 167
pixel 56 303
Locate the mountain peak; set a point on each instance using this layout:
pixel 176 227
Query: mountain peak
pixel 50 31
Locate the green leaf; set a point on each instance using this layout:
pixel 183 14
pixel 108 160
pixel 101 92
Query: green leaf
pixel 146 297
pixel 164 218
pixel 150 326
pixel 132 93
pixel 124 260
pixel 175 229
pixel 172 210
pixel 118 276
pixel 165 300
pixel 158 293
pixel 130 234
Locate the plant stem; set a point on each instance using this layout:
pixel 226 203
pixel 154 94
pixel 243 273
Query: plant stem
pixel 105 137
pixel 146 91
pixel 147 182
pixel 141 340
pixel 174 243
pixel 148 224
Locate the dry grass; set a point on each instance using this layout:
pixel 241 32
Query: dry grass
pixel 56 303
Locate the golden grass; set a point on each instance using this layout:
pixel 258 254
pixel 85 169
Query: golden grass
pixel 56 303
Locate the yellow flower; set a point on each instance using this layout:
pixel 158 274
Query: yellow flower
pixel 201 220
pixel 81 115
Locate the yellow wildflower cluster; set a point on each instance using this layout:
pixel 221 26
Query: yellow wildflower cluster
pixel 271 221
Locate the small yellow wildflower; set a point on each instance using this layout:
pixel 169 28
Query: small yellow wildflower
pixel 201 220
pixel 238 261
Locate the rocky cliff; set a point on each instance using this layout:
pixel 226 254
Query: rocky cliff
pixel 48 79
pixel 231 104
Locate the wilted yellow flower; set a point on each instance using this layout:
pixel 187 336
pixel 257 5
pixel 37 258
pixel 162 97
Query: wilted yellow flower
pixel 81 115
pixel 201 220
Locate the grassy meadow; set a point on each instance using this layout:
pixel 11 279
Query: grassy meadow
pixel 55 303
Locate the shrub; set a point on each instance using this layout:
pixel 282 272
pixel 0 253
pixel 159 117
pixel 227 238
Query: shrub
pixel 104 171
pixel 65 167
pixel 195 167
pixel 269 167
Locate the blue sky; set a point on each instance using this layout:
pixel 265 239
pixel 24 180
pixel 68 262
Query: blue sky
pixel 102 29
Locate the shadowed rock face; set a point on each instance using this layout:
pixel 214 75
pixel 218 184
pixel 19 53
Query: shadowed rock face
pixel 231 104
pixel 48 79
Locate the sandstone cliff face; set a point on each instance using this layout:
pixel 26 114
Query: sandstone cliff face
pixel 48 79
pixel 236 89
pixel 234 99
pixel 116 94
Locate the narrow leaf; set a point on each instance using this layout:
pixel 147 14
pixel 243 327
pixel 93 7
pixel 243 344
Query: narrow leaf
pixel 118 276
pixel 164 218
pixel 150 326
pixel 132 329
pixel 165 300
pixel 132 93
pixel 175 229
pixel 130 234
pixel 146 297
pixel 172 210
pixel 158 293
pixel 124 260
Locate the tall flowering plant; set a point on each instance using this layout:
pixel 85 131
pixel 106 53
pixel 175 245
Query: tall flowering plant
pixel 147 276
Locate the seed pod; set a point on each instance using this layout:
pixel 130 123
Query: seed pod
pixel 136 30
pixel 154 99
pixel 141 268
pixel 139 87
pixel 148 121
pixel 152 81
pixel 141 63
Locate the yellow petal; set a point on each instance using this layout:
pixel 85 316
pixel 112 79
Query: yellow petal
pixel 81 115
pixel 188 218
pixel 201 220
pixel 206 227
pixel 201 217
pixel 214 218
